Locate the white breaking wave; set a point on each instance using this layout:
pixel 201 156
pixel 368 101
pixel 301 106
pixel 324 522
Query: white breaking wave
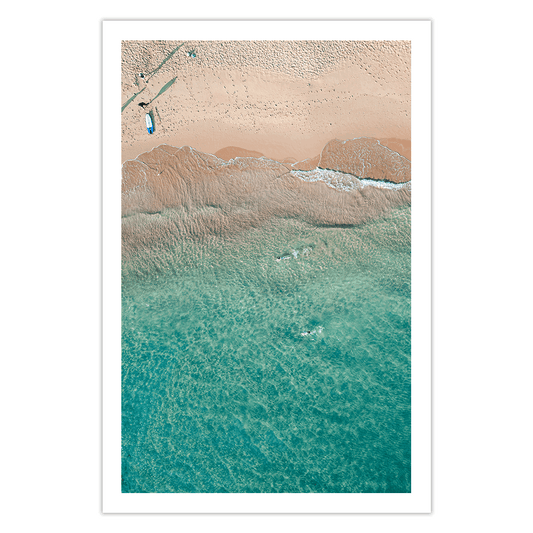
pixel 345 182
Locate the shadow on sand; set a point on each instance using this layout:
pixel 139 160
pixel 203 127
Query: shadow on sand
pixel 164 88
pixel 128 102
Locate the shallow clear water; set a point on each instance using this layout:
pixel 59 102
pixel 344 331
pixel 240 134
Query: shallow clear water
pixel 221 392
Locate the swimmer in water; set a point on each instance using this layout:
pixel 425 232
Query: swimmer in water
pixel 320 329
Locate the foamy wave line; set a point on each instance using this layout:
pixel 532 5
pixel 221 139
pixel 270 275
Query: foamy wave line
pixel 345 182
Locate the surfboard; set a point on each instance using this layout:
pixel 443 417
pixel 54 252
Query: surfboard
pixel 149 123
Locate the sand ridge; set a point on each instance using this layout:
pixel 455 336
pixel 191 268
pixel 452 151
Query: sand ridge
pixel 283 99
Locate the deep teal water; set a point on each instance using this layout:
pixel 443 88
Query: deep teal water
pixel 221 392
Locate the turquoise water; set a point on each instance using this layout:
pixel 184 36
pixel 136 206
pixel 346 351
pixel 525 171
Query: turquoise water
pixel 221 392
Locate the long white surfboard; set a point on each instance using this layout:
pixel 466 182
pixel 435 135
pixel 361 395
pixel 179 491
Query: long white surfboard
pixel 149 123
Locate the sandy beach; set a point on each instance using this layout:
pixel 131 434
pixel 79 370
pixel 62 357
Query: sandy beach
pixel 282 99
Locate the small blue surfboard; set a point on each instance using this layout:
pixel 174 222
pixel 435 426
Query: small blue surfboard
pixel 149 123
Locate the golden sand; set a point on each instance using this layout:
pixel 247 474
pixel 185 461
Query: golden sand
pixel 283 99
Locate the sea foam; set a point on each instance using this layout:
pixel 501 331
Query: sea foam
pixel 345 182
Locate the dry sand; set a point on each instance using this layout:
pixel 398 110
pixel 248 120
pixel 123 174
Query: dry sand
pixel 283 99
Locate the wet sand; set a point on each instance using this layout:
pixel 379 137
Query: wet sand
pixel 170 194
pixel 283 99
